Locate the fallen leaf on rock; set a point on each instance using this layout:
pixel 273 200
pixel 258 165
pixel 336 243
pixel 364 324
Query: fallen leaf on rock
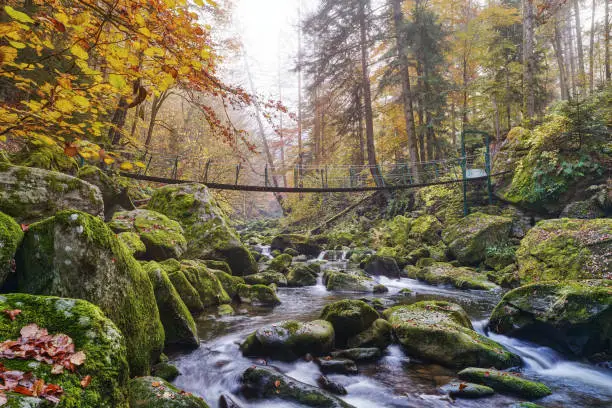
pixel 12 314
pixel 86 381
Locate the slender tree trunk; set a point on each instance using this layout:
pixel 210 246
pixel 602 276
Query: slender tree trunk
pixel 464 117
pixel 300 81
pixel 155 106
pixel 402 48
pixel 496 118
pixel 560 62
pixel 581 70
pixel 420 111
pixel 569 38
pixel 607 41
pixel 360 128
pixel 453 124
pixel 528 60
pixel 367 96
pixel 592 48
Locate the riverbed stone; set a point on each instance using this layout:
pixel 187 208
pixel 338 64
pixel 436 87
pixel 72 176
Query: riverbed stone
pixel 290 339
pixel 208 231
pixel 266 278
pixel 426 228
pixel 349 282
pixel 358 354
pixel 162 237
pixel 337 365
pixel 76 255
pixel 280 263
pixel 440 273
pixel 189 295
pixel 264 382
pixel 179 326
pixel 331 386
pixel 217 265
pixel 91 332
pixel 166 371
pixel 114 193
pixel 133 243
pixel 505 382
pixel 303 244
pixel 458 389
pixel 441 332
pixel 469 238
pixel 349 317
pixel 379 334
pixel 258 294
pixel 11 236
pixel 229 282
pixel 205 283
pixel 29 194
pixel 381 265
pixel 301 275
pixel 566 248
pixel 155 392
pixel 571 316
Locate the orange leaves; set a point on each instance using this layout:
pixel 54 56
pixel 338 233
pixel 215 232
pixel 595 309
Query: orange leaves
pixel 12 314
pixel 28 385
pixel 86 381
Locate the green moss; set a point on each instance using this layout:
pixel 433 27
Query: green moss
pixel 349 317
pixel 230 283
pixel 443 201
pixel 266 278
pixel 379 334
pixel 505 382
pixel 281 263
pixel 440 273
pixel 47 157
pixel 205 282
pixel 133 243
pixel 261 294
pixel 178 323
pixel 426 228
pixel 301 276
pixel 186 291
pixel 340 281
pixel 166 371
pixel 11 236
pixel 225 310
pixel 217 265
pixel 90 331
pixel 441 332
pixel 76 255
pixel 154 392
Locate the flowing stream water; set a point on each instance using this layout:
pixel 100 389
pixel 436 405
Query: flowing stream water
pixel 396 380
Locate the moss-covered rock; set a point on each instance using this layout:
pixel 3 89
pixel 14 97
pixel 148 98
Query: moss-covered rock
pixel 114 194
pixel 280 263
pixel 11 236
pixel 230 283
pixel 178 323
pixel 359 353
pixel 506 278
pixel 36 153
pixel 347 282
pixel 349 317
pixel 441 332
pixel 162 237
pixel 205 283
pixel 445 202
pixel 207 229
pixel 258 294
pixel 469 238
pixel 225 310
pixel 566 249
pixel 166 371
pixel 266 278
pixel 133 243
pixel 217 265
pixel 29 194
pixel 154 392
pixel 381 265
pixel 505 382
pixel 445 274
pixel 458 389
pixel 301 243
pixel 189 295
pixel 290 339
pixel 427 229
pixel 91 332
pixel 585 209
pixel 572 316
pixel 264 382
pixel 76 255
pixel 301 276
pixel 379 335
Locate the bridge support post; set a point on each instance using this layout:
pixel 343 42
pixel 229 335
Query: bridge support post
pixel 206 167
pixel 238 167
pixel 175 169
pixel 266 181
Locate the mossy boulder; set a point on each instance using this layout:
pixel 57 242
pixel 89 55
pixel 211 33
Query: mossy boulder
pixel 441 273
pixel 178 323
pixel 133 243
pixel 11 236
pixel 445 202
pixel 506 278
pixel 358 354
pixel 379 335
pixel 505 382
pixel 290 339
pixel 347 282
pixel 301 275
pixel 566 249
pixel 29 194
pixel 205 282
pixel 381 265
pixel 280 263
pixel 74 254
pixel 90 331
pixel 458 389
pixel 258 294
pixel 303 244
pixel 217 265
pixel 441 332
pixel 572 316
pixel 162 237
pixel 189 295
pixel 114 194
pixel 266 278
pixel 230 283
pixel 264 382
pixel 427 229
pixel 155 392
pixel 349 317
pixel 166 371
pixel 207 229
pixel 36 153
pixel 469 238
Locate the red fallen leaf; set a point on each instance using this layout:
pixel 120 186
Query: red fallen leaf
pixel 20 389
pixel 29 331
pixel 85 381
pixel 486 374
pixel 57 369
pixel 155 384
pixel 25 227
pixel 58 25
pixel 12 314
pixel 70 150
pixel 462 386
pixel 78 358
pixel 277 383
pixel 38 388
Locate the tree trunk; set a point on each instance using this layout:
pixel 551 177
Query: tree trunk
pixel 156 105
pixel 299 135
pixel 360 128
pixel 581 71
pixel 570 53
pixel 420 112
pixel 453 126
pixel 367 97
pixel 398 18
pixel 528 60
pixel 496 118
pixel 592 49
pixel 607 41
pixel 560 63
pixel 464 113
